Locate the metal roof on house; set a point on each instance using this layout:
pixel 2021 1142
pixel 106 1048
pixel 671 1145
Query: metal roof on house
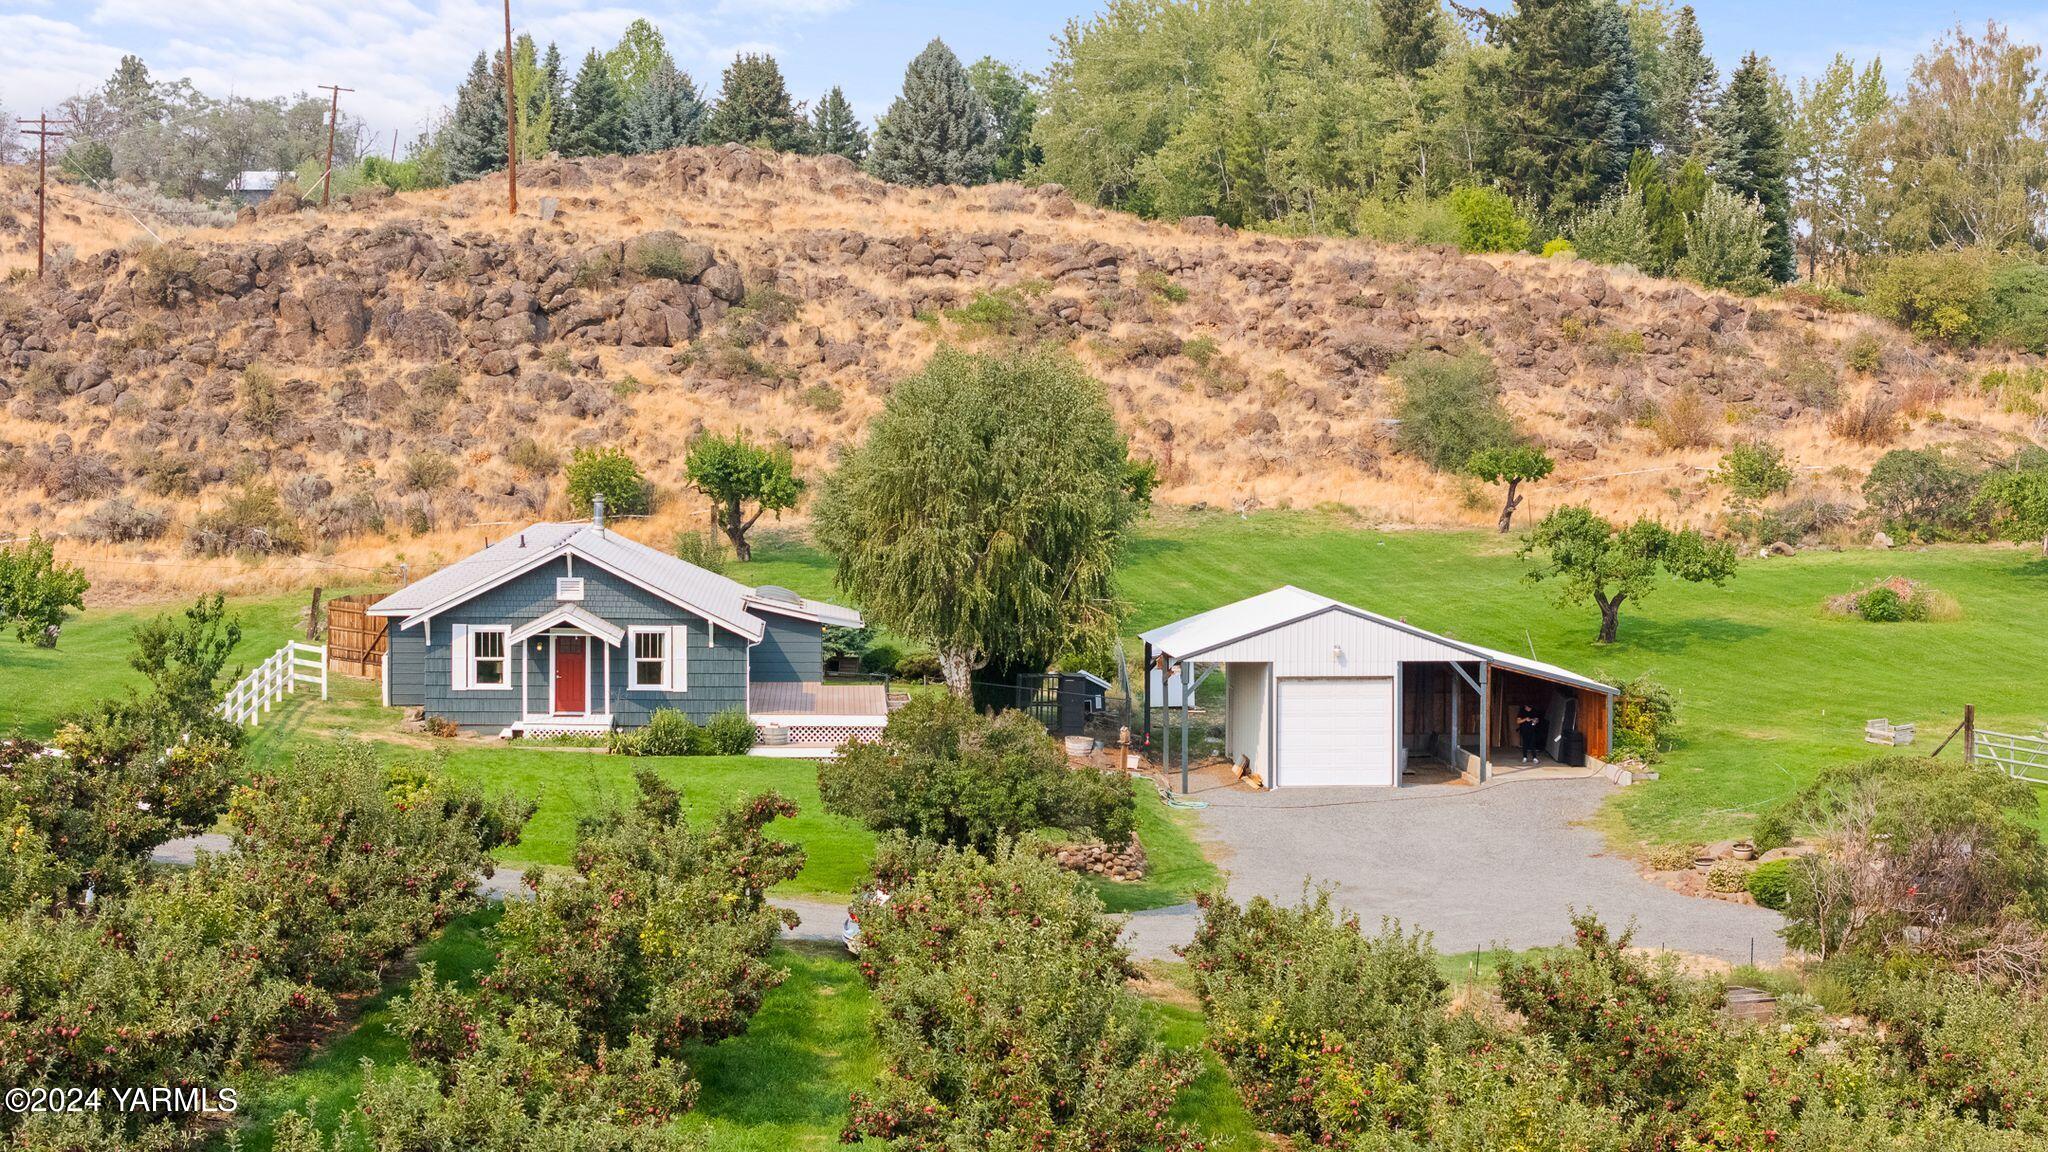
pixel 726 601
pixel 1189 638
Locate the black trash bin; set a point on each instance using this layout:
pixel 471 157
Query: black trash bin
pixel 1572 750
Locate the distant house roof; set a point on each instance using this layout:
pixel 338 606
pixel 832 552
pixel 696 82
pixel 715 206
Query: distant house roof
pixel 265 181
pixel 1188 639
pixel 727 602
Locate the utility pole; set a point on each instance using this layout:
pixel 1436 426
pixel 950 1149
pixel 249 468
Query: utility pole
pixel 333 118
pixel 42 132
pixel 511 123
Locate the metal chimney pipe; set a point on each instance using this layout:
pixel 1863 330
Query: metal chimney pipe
pixel 597 510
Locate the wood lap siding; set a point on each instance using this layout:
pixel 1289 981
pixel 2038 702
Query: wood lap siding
pixel 405 664
pixel 717 675
pixel 791 650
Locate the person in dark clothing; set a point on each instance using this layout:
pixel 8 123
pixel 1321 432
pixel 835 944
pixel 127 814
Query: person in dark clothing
pixel 1529 726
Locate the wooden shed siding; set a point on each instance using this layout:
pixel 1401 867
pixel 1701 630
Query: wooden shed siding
pixel 1246 730
pixel 790 650
pixel 1304 648
pixel 404 663
pixel 717 676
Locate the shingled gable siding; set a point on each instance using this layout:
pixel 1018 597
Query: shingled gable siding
pixel 717 674
pixel 791 649
pixel 404 657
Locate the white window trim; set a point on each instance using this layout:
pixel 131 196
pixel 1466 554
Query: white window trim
pixel 468 657
pixel 633 683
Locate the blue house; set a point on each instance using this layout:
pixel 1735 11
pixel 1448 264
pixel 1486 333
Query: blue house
pixel 572 627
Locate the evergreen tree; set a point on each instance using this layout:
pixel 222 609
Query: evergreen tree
pixel 596 121
pixel 665 112
pixel 938 131
pixel 754 107
pixel 1412 34
pixel 1015 109
pixel 835 130
pixel 554 80
pixel 474 138
pixel 1753 160
pixel 1571 109
pixel 1683 93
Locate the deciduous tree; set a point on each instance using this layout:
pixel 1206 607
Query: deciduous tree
pixel 733 472
pixel 984 515
pixel 1513 465
pixel 35 591
pixel 1014 107
pixel 1592 561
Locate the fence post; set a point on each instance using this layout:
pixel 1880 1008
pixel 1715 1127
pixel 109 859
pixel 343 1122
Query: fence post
pixel 1970 734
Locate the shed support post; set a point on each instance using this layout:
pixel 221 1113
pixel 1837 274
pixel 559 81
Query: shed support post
pixel 1187 701
pixel 1485 718
pixel 1147 726
pixel 1457 756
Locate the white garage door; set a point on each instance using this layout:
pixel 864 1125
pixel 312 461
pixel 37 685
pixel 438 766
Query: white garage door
pixel 1336 732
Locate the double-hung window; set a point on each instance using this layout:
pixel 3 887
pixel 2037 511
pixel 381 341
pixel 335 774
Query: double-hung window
pixel 487 658
pixel 650 658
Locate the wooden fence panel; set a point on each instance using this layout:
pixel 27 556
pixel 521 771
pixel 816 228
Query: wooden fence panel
pixel 356 641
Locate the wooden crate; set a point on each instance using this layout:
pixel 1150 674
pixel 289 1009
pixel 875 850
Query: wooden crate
pixel 356 641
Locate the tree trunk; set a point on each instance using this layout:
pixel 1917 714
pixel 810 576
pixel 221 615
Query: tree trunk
pixel 1610 618
pixel 957 666
pixel 736 531
pixel 1507 510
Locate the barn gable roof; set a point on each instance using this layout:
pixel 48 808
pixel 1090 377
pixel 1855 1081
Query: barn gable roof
pixel 1286 605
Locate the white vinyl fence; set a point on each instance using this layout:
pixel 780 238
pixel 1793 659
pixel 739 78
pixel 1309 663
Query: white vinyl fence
pixel 288 667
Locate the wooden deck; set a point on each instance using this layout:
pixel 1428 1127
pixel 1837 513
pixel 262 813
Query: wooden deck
pixel 808 699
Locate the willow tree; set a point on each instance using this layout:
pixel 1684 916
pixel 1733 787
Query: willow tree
pixel 985 512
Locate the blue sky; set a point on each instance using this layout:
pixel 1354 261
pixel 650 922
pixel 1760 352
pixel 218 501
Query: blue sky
pixel 404 57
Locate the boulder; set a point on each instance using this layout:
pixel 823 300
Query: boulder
pixel 339 317
pixel 725 283
pixel 422 334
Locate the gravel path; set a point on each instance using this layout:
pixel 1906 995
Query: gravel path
pixel 1498 865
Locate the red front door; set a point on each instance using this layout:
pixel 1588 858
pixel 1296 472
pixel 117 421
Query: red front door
pixel 570 676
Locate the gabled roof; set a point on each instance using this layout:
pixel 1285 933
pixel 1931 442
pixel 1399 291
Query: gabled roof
pixel 726 602
pixel 590 622
pixel 772 598
pixel 1189 638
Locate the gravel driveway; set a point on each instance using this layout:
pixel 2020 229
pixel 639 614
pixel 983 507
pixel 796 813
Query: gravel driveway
pixel 1498 865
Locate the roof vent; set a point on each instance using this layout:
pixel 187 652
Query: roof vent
pixel 778 592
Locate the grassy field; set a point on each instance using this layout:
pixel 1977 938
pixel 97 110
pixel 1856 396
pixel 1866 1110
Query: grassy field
pixel 1770 686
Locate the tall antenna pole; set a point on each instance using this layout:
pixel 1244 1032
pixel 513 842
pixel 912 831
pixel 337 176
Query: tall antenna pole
pixel 511 123
pixel 333 118
pixel 42 132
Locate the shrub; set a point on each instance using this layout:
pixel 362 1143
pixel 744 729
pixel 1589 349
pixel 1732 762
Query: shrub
pixel 883 656
pixel 1408 220
pixel 1728 876
pixel 701 548
pixel 1881 605
pixel 1864 352
pixel 1558 246
pixel 1671 857
pixel 2018 315
pixel 1617 231
pixel 1002 1016
pixel 1724 243
pixel 2015 390
pixel 1686 420
pixel 1773 829
pixel 1874 421
pixel 1942 296
pixel 1921 492
pixel 252 520
pixel 666 733
pixel 1811 381
pixel 121 520
pixel 614 474
pixel 425 471
pixel 1450 408
pixel 1751 471
pixel 941 771
pixel 533 457
pixel 1300 1003
pixel 824 398
pixel 1645 716
pixel 727 733
pixel 919 666
pixel 36 591
pixel 664 256
pixel 1770 883
pixel 1487 221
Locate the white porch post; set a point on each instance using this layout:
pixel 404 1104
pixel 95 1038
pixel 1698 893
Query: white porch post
pixel 525 706
pixel 607 679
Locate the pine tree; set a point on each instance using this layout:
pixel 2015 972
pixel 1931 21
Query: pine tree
pixel 1015 109
pixel 666 112
pixel 596 121
pixel 835 130
pixel 1683 95
pixel 1753 160
pixel 938 131
pixel 474 138
pixel 1572 112
pixel 1411 35
pixel 754 107
pixel 554 79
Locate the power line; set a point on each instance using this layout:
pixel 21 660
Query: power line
pixel 42 132
pixel 333 119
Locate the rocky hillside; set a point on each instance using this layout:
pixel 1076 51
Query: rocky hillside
pixel 415 365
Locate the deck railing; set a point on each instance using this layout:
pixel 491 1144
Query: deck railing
pixel 290 666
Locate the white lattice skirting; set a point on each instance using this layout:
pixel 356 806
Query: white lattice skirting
pixel 822 733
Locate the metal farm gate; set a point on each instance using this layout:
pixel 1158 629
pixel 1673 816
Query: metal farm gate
pixel 2021 757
